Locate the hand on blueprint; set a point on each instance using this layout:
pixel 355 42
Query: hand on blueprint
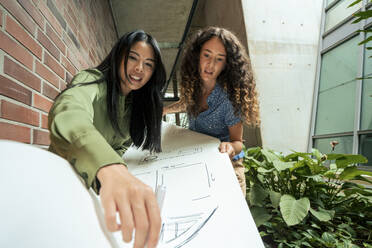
pixel 227 147
pixel 136 203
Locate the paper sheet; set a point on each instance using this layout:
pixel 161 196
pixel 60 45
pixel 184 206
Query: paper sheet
pixel 45 204
pixel 204 206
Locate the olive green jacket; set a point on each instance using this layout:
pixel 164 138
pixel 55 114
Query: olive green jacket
pixel 81 131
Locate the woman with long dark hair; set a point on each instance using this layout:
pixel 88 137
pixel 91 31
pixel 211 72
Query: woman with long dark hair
pixel 98 116
pixel 218 91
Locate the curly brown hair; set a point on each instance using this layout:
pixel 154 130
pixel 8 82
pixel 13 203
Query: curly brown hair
pixel 236 78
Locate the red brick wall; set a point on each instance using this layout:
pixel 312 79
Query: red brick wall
pixel 43 43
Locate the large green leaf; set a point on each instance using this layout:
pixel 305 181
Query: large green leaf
pixel 364 179
pixel 295 155
pixel 280 165
pixel 294 211
pixel 322 214
pixel 353 3
pixel 269 155
pixel 328 239
pixel 260 215
pixel 317 154
pixel 297 165
pixel 275 198
pixel 364 14
pixel 353 171
pixel 365 41
pixel 343 160
pixel 257 195
pixel 263 170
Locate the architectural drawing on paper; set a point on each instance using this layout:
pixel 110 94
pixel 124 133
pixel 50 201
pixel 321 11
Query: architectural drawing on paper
pixel 149 157
pixel 188 212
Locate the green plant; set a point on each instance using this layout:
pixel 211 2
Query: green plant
pixel 360 16
pixel 309 199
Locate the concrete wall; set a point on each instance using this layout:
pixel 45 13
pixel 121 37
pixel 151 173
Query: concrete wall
pixel 283 43
pixel 222 14
pixel 43 43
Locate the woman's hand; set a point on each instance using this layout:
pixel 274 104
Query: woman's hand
pixel 176 107
pixel 136 203
pixel 227 147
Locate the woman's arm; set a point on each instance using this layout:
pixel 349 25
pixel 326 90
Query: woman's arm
pixel 136 203
pixel 74 137
pixel 235 145
pixel 176 107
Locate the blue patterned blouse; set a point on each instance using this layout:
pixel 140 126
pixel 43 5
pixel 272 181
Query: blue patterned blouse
pixel 217 118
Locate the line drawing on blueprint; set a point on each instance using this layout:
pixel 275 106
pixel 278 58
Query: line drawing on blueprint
pixel 150 157
pixel 188 212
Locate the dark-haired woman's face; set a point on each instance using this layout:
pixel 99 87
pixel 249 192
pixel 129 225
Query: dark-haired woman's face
pixel 212 60
pixel 140 66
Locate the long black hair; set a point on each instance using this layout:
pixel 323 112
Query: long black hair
pixel 147 107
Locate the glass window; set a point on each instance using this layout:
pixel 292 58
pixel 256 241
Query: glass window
pixel 340 64
pixel 336 107
pixel 366 147
pixel 329 1
pixel 339 12
pixel 345 144
pixel 366 119
pixel 336 99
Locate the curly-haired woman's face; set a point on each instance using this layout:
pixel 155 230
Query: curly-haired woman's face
pixel 140 66
pixel 212 60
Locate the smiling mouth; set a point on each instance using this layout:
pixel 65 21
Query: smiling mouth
pixel 135 78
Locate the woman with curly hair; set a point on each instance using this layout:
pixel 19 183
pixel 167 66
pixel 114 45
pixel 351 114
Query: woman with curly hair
pixel 218 91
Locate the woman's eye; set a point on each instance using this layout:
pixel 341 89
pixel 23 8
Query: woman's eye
pixel 132 57
pixel 206 55
pixel 220 59
pixel 149 65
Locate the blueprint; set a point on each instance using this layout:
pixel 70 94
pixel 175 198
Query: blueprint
pixel 193 172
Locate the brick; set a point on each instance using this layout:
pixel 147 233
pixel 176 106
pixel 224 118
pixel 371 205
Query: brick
pixel 92 57
pixel 62 84
pixel 44 121
pixel 71 12
pixel 14 132
pixel 16 51
pixel 54 65
pixel 46 74
pixel 19 113
pixel 56 14
pixel 61 4
pixel 41 137
pixel 82 41
pixel 50 17
pixel 69 67
pixel 68 77
pixel 42 103
pixel 73 38
pixel 71 23
pixel 49 91
pixel 11 89
pixel 47 44
pixel 83 61
pixel 68 42
pixel 33 12
pixel 56 40
pixel 20 14
pixel 16 71
pixel 22 36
